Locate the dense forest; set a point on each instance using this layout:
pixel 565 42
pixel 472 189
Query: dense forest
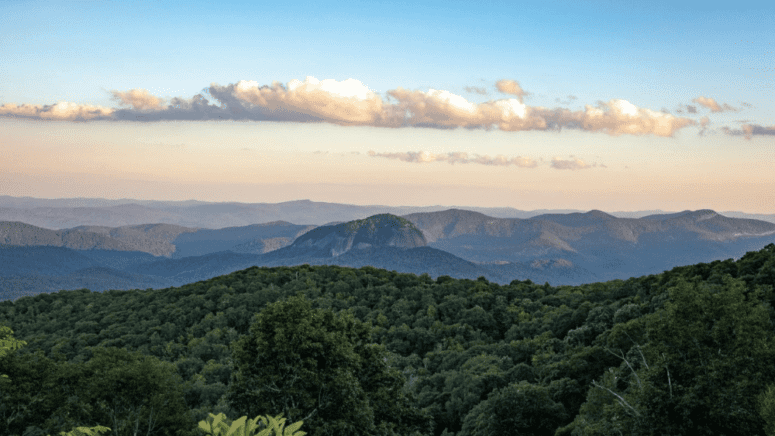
pixel 690 351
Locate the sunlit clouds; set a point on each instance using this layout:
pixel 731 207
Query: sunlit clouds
pixel 442 109
pixel 712 104
pixel 458 157
pixel 510 87
pixel 352 103
pixel 619 117
pixel 138 99
pixel 348 102
pixel 59 111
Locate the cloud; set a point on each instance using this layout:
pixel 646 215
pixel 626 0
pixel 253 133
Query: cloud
pixel 60 111
pixel 510 87
pixel 458 157
pixel 348 102
pixel 197 108
pixel 476 90
pixel 442 109
pixel 351 103
pixel 616 117
pixel 572 164
pixel 568 100
pixel 750 130
pixel 691 109
pixel 139 99
pixel 713 105
pixel 704 121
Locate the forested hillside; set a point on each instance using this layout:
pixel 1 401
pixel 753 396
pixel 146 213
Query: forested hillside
pixel 373 352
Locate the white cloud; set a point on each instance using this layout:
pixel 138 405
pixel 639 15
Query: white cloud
pixel 351 103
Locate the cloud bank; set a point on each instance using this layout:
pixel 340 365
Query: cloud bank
pixel 421 157
pixel 59 111
pixel 458 157
pixel 351 103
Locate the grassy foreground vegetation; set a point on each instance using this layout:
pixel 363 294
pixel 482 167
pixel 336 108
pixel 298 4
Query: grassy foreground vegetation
pixel 365 351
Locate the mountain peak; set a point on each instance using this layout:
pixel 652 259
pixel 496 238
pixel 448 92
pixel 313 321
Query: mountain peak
pixel 600 214
pixel 383 230
pixel 377 221
pixel 703 214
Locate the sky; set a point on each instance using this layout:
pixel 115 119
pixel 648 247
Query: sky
pixel 603 105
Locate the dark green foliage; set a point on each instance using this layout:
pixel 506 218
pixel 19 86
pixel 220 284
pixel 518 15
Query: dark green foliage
pixel 518 409
pixel 126 391
pixel 475 356
pixel 766 402
pixel 320 367
pixel 704 360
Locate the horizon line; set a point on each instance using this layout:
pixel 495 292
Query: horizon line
pixel 570 210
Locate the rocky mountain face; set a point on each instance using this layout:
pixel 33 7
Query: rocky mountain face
pixel 384 230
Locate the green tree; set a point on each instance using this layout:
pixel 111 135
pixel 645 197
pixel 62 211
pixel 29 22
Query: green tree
pixel 134 394
pixel 8 343
pixel 708 357
pixel 767 409
pixel 316 366
pixel 518 409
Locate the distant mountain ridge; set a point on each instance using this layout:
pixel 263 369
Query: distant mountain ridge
pixel 252 239
pixel 568 248
pixel 601 244
pixel 151 238
pixel 72 212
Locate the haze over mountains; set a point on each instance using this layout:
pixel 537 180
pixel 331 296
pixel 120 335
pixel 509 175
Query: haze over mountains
pixel 561 248
pixel 72 212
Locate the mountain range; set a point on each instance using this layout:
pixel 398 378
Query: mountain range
pixel 72 212
pixel 561 248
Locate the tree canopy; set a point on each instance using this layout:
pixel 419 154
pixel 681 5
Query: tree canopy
pixel 369 351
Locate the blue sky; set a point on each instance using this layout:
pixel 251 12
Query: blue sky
pixel 706 69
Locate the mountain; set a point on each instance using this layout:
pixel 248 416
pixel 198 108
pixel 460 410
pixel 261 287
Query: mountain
pixel 383 230
pixel 562 249
pixel 481 238
pixel 30 270
pixel 382 241
pixel 155 239
pixel 252 239
pixel 604 246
